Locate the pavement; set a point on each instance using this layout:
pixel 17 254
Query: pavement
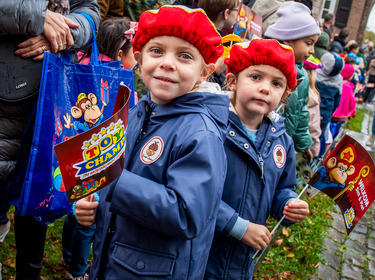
pixel 351 257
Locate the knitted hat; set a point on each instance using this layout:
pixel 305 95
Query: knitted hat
pixel 294 22
pixel 312 63
pixel 266 52
pixel 332 64
pixel 347 72
pixel 191 25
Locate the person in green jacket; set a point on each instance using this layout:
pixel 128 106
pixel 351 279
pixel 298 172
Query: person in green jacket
pixel 296 28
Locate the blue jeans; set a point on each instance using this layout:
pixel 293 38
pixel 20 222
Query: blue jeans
pixel 373 124
pixel 76 241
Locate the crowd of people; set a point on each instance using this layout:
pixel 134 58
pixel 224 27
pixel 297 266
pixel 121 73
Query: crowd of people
pixel 225 130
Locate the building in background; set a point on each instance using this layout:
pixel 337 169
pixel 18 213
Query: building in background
pixel 350 14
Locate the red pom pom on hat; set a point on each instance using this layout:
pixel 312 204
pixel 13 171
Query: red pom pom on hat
pixel 191 25
pixel 267 52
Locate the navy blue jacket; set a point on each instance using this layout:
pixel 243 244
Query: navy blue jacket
pixel 261 178
pixel 160 218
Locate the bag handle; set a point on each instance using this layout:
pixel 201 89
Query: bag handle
pixel 94 58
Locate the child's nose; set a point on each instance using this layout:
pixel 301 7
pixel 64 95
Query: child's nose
pixel 168 62
pixel 265 87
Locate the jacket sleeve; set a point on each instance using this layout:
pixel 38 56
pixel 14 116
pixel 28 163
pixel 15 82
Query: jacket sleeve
pixel 83 34
pixel 226 218
pixel 24 17
pixel 286 188
pixel 301 137
pixel 189 200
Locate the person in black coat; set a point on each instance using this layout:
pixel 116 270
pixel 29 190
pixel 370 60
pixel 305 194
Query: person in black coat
pixel 24 36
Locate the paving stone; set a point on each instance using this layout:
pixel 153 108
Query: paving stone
pixel 331 259
pixel 361 238
pixel 338 222
pixel 336 235
pixel 351 272
pixel 356 246
pixel 371 254
pixel 354 258
pixel 360 228
pixel 371 243
pixel 371 266
pixel 327 272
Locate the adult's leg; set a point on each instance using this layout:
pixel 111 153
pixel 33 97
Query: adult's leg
pixel 30 238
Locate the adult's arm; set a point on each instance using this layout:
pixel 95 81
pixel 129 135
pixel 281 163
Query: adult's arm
pixel 24 17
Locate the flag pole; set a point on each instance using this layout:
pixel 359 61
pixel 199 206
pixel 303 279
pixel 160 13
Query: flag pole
pixel 282 219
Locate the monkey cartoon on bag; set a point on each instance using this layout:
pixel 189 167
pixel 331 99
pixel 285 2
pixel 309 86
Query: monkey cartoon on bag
pixel 86 106
pixel 337 171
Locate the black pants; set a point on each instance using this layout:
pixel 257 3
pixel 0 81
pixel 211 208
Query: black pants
pixel 369 93
pixel 30 238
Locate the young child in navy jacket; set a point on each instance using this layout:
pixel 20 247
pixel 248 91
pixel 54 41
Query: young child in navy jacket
pixel 261 176
pixel 158 220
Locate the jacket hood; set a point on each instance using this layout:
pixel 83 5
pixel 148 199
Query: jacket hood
pixel 323 41
pixel 329 74
pixel 206 99
pixel 340 40
pixel 321 45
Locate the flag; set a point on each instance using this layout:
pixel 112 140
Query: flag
pixel 345 177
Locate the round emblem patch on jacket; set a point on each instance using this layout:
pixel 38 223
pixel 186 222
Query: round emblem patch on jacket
pixel 279 156
pixel 152 150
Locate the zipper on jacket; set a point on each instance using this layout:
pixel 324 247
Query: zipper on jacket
pixel 261 162
pixel 146 119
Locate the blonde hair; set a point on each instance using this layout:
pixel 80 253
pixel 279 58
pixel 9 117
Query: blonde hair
pixel 312 85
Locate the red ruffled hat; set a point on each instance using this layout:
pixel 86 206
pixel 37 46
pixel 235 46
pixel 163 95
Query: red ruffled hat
pixel 191 25
pixel 262 51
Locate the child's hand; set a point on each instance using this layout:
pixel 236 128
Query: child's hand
pixel 257 236
pixel 296 210
pixel 85 211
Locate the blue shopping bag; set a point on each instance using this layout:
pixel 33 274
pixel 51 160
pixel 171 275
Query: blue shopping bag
pixel 72 99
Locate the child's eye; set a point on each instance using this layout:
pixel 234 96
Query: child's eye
pixel 277 84
pixel 186 56
pixel 255 77
pixel 156 51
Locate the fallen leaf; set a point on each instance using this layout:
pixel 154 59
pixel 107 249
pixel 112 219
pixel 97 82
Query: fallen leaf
pixel 268 260
pixel 45 257
pixel 291 255
pixel 270 278
pixel 271 269
pixel 286 232
pixel 10 262
pixel 279 242
pixel 286 275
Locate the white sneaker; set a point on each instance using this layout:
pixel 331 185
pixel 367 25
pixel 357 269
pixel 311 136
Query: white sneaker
pixel 4 229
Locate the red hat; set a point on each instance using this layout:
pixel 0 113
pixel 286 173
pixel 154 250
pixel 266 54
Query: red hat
pixel 262 51
pixel 191 25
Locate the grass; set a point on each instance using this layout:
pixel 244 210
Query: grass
pixel 52 252
pixel 296 253
pixel 355 124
